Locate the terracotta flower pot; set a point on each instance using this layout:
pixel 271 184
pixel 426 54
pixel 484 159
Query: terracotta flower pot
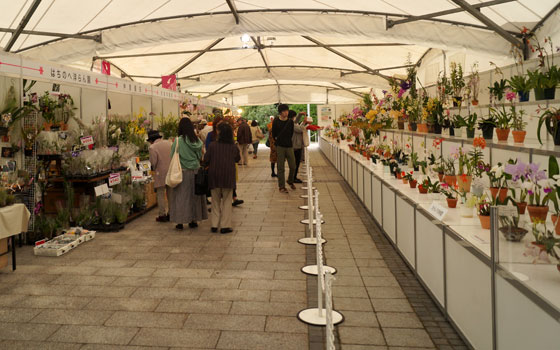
pixel 421 127
pixel 502 134
pixel 501 196
pixel 452 202
pixel 537 213
pixel 521 206
pixel 464 183
pixel 474 102
pixel 422 189
pixel 484 221
pixel 451 180
pixel 404 181
pixel 399 175
pixel 440 177
pixel 412 183
pixel 519 136
pixel 556 226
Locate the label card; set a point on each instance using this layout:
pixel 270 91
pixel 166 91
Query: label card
pixel 145 165
pixel 86 140
pixel 438 211
pixel 136 175
pixel 101 190
pixel 114 179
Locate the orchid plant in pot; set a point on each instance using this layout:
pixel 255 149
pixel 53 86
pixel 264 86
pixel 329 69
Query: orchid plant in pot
pixel 518 172
pixel 457 82
pixel 483 211
pixel 503 118
pixel 550 118
pixel 468 122
pixel 409 176
pixel 498 183
pixel 544 246
pixel 473 84
pixel 450 175
pixel 554 195
pixel 538 186
pixel 451 194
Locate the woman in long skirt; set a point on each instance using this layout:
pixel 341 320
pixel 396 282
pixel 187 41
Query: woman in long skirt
pixel 184 205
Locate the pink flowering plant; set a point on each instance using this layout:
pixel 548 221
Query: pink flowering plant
pixel 536 183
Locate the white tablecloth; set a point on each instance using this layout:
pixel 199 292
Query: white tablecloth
pixel 13 220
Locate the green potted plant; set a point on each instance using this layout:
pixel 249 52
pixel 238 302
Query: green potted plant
pixel 517 122
pixel 473 85
pixel 520 84
pixel 450 193
pixel 487 126
pixel 502 121
pixel 545 242
pixel 498 89
pixel 550 118
pixel 48 108
pixel 457 83
pixel 483 211
pixel 468 122
pixel 545 78
pixel 509 227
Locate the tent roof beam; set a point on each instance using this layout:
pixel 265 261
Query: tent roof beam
pixel 218 90
pixel 257 42
pixel 233 9
pixel 96 38
pixel 347 90
pixel 488 22
pixel 391 23
pixel 377 69
pixel 330 88
pixel 22 24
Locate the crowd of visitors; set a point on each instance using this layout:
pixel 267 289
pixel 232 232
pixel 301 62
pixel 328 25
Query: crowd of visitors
pixel 212 152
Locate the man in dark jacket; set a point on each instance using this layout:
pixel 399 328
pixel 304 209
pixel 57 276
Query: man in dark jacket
pixel 282 132
pixel 244 140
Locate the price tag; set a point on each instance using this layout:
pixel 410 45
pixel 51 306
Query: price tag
pixel 114 179
pixel 438 211
pixel 86 140
pixel 101 190
pixel 136 175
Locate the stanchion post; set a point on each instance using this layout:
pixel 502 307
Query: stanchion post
pixel 329 278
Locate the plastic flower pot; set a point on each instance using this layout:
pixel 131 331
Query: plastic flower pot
pixel 466 212
pixel 458 132
pixel 470 133
pixel 503 192
pixel 545 94
pixel 537 213
pixel 521 206
pixel 451 180
pixel 523 96
pixel 412 183
pixel 519 135
pixel 464 183
pixel 430 128
pixel 422 189
pixel 484 221
pixel 457 100
pixel 474 102
pixel 502 134
pixel 556 226
pixel 400 125
pixel 452 202
pixel 488 132
pixel 413 126
pixel 422 127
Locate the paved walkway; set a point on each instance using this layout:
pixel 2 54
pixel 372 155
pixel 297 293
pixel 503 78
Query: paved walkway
pixel 152 287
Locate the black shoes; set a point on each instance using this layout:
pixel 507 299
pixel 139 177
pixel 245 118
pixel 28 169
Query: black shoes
pixel 214 229
pixel 237 202
pixel 226 230
pixel 298 181
pixel 179 226
pixel 164 218
pixel 273 175
pixel 193 224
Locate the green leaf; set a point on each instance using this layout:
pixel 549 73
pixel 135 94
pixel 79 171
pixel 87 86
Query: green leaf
pixel 553 167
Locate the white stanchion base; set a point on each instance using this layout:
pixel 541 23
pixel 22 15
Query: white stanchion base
pixel 306 221
pixel 305 188
pixel 314 270
pixel 311 316
pixel 311 241
pixel 303 207
pixel 303 196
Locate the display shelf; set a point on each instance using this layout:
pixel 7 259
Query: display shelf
pixel 537 283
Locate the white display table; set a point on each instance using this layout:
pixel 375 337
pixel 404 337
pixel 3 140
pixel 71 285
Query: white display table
pixel 13 221
pixel 503 302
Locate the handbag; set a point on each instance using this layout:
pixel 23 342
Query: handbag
pixel 201 181
pixel 175 173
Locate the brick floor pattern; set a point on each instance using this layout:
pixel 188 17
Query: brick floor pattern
pixel 152 287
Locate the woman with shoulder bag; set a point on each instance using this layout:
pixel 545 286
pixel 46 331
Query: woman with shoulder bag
pixel 221 157
pixel 257 136
pixel 184 205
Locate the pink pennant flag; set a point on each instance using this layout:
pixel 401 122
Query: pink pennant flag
pixel 105 67
pixel 169 82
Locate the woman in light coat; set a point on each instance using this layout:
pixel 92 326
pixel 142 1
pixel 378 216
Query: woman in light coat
pixel 257 136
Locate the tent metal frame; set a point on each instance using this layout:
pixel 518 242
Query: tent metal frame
pixel 329 88
pixel 96 38
pixel 21 26
pixel 288 11
pixel 233 9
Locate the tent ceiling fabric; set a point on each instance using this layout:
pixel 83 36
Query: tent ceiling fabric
pixel 173 32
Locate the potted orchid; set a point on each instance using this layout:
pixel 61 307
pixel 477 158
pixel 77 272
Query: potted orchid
pixel 450 176
pixel 544 246
pixel 451 193
pixel 498 182
pixel 483 211
pixel 409 176
pixel 554 195
pixel 457 83
pixel 538 186
pixel 519 172
pixel 473 84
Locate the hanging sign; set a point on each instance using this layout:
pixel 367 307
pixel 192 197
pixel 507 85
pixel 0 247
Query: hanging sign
pixel 169 82
pixel 105 68
pixel 114 179
pixel 86 140
pixel 437 210
pixel 136 175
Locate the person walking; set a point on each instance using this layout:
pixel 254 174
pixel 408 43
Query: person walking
pixel 257 135
pixel 221 158
pixel 273 156
pixel 160 151
pixel 184 204
pixel 282 132
pixel 244 139
pixel 298 142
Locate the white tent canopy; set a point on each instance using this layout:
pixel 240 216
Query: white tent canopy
pixel 296 51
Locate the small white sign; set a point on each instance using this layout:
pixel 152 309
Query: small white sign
pixel 136 175
pixel 86 140
pixel 114 179
pixel 101 190
pixel 145 165
pixel 437 210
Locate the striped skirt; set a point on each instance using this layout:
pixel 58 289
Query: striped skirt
pixel 184 205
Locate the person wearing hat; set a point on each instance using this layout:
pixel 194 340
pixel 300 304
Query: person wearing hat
pixel 160 157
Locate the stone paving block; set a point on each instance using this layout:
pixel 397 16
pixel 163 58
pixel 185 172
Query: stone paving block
pixel 176 337
pixel 26 331
pixel 349 281
pixel 75 317
pixel 218 265
pixel 289 275
pixel 94 334
pixel 169 293
pixel 375 272
pixel 185 273
pixel 352 304
pixel 226 322
pixel 361 335
pixel 125 271
pixel 362 347
pixel 251 257
pixel 10 300
pixel 244 274
pixel 146 319
pixel 161 282
pixel 385 292
pixel 122 347
pixel 17 315
pixel 53 302
pixel 266 308
pixel 163 264
pixel 102 291
pixel 262 340
pixel 360 319
pixel 194 306
pixel 235 295
pixel 36 289
pixel 125 304
pixel 208 283
pixel 391 305
pixel 349 292
pixel 37 345
pixel 282 324
pixel 84 280
pixel 381 281
pixel 399 320
pixel 288 296
pixel 276 285
pixel 107 263
pixel 407 337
